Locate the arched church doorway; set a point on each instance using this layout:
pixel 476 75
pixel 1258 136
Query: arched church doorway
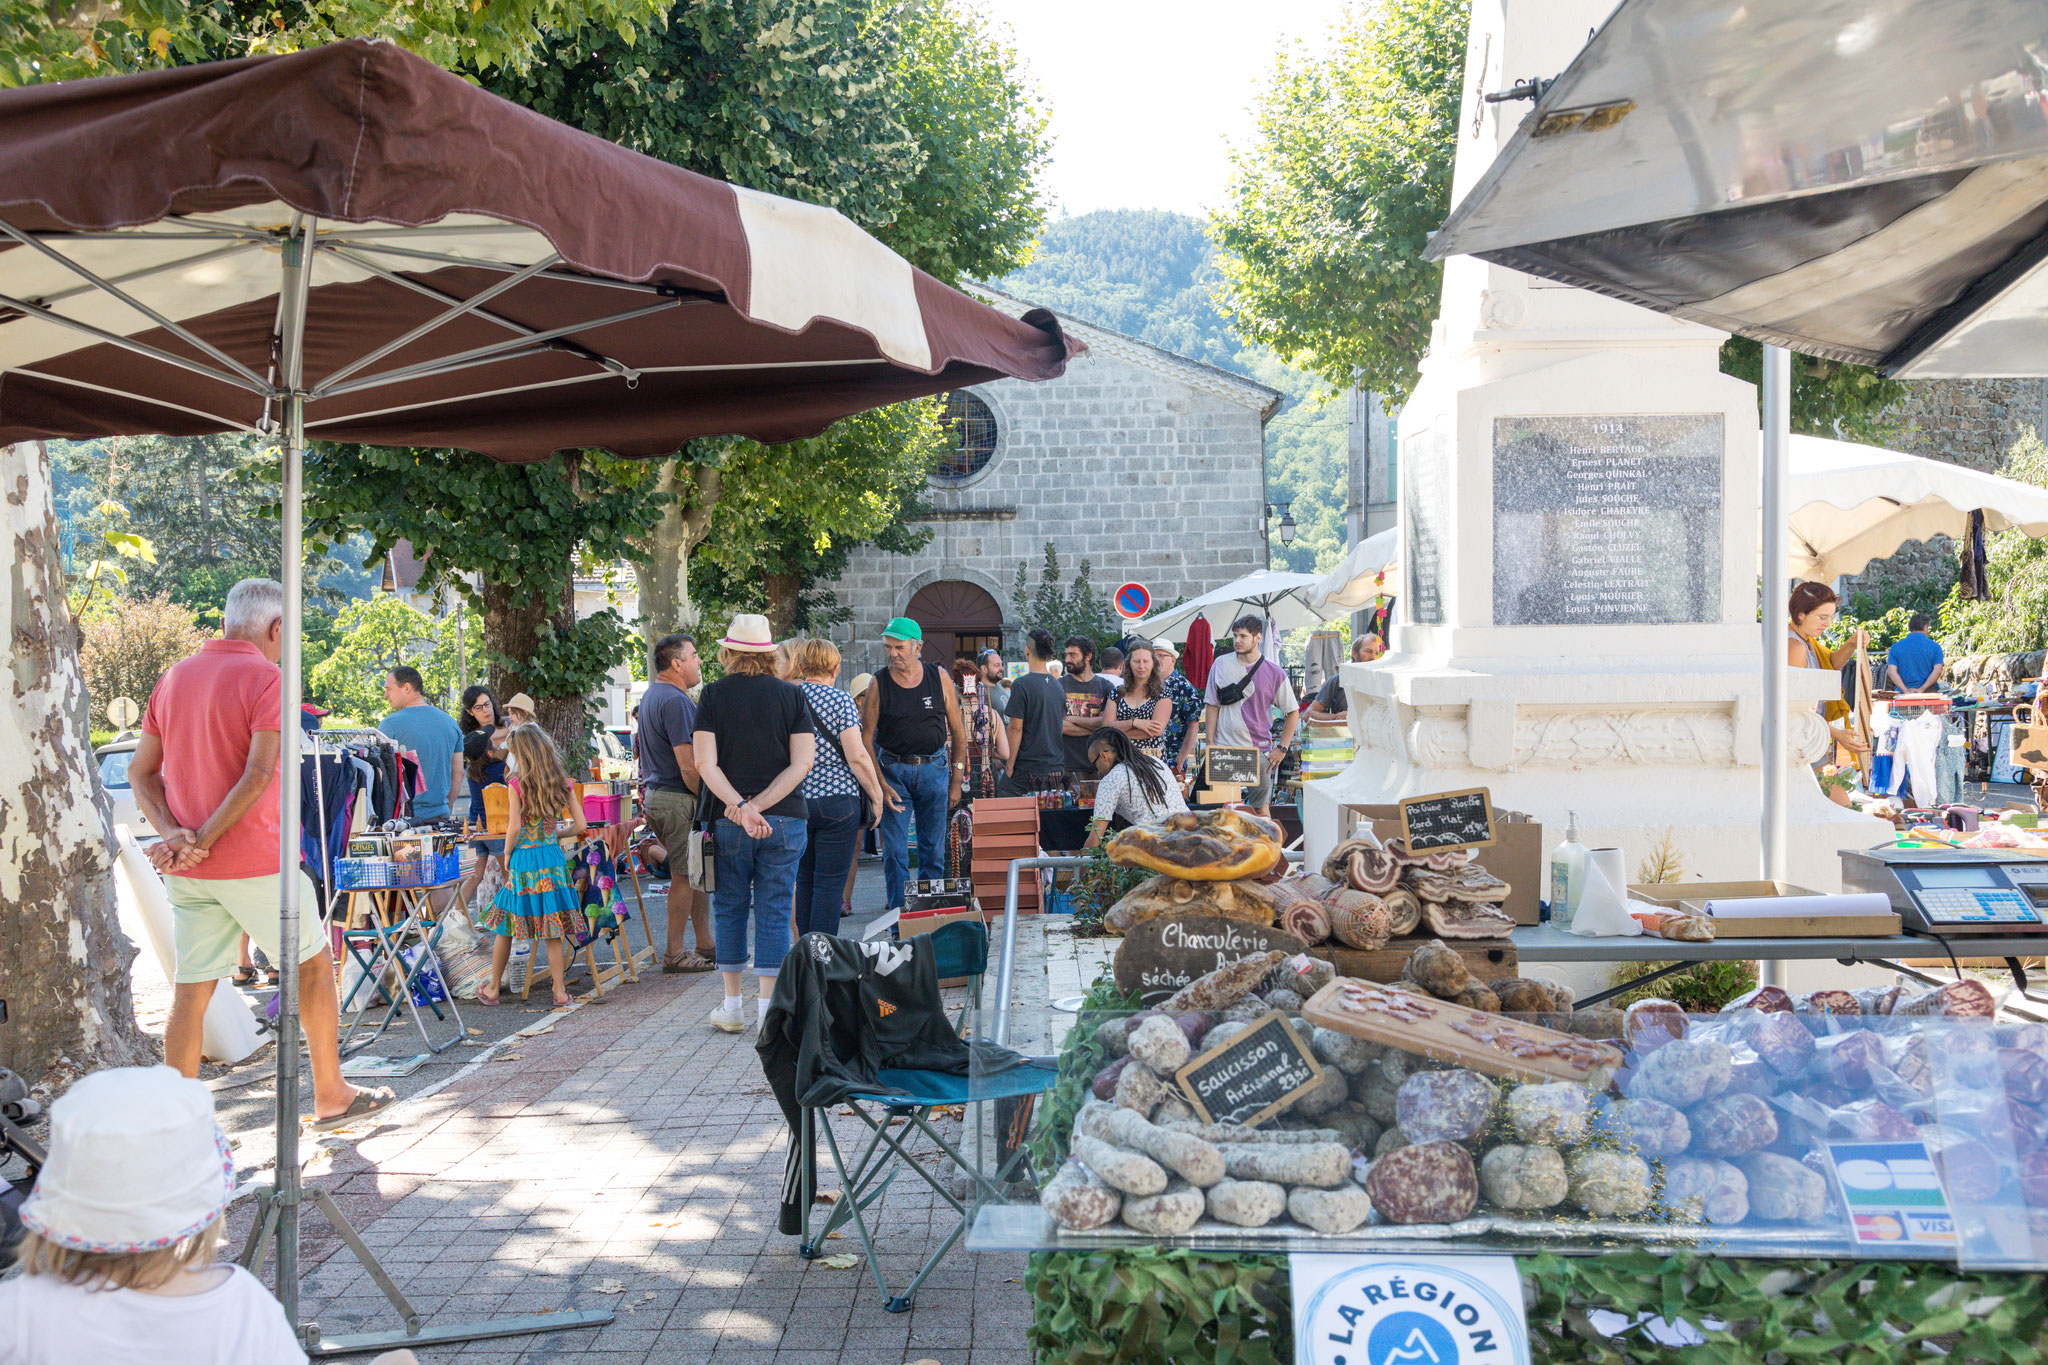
pixel 958 619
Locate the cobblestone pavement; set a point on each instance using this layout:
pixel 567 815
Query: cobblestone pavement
pixel 632 1159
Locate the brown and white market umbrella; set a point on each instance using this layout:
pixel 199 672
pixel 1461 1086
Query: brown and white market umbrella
pixel 351 244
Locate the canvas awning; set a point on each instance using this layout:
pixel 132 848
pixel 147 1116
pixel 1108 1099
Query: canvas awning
pixel 1863 180
pixel 1262 592
pixel 1852 504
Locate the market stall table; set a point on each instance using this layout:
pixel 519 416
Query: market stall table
pixel 1544 943
pixel 381 943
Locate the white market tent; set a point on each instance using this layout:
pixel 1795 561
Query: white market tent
pixel 1851 504
pixel 1269 592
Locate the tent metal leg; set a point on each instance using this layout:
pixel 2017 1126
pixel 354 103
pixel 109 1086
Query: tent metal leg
pixel 1776 449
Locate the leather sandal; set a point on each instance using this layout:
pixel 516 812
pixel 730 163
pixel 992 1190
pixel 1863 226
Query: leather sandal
pixel 688 962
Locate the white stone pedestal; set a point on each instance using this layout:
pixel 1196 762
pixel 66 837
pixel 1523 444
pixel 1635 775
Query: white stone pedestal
pixel 1579 498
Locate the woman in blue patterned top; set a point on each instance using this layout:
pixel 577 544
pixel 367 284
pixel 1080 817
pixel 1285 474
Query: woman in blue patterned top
pixel 832 790
pixel 1187 707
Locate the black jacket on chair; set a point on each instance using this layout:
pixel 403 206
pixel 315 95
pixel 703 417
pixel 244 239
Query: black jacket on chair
pixel 842 1011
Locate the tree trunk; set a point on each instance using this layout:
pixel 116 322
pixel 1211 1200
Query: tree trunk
pixel 513 617
pixel 782 590
pixel 63 958
pixel 664 574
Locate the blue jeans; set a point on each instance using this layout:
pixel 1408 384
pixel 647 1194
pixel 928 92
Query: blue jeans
pixel 821 873
pixel 923 789
pixel 757 877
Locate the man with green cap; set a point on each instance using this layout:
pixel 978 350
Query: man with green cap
pixel 907 718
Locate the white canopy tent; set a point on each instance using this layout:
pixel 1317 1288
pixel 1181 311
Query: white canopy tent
pixel 1268 592
pixel 1351 586
pixel 1852 504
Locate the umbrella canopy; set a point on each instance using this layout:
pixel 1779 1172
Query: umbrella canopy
pixel 474 275
pixel 1265 592
pixel 1352 585
pixel 1865 180
pixel 1853 503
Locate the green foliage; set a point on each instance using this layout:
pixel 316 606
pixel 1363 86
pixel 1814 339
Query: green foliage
pixel 1080 1058
pixel 1829 398
pixel 1701 989
pixel 1884 612
pixel 1307 455
pixel 377 635
pixel 124 647
pixel 1331 208
pixel 2014 618
pixel 1148 273
pixel 41 40
pixel 1149 1304
pixel 1098 886
pixel 1077 609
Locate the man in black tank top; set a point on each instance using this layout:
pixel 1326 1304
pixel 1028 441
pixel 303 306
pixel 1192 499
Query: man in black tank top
pixel 908 717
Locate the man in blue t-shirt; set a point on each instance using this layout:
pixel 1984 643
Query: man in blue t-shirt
pixel 1915 663
pixel 417 724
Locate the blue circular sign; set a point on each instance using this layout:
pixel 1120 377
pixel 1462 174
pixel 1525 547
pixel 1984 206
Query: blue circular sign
pixel 1133 601
pixel 1419 1312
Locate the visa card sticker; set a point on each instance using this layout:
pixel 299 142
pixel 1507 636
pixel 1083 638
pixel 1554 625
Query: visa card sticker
pixel 1893 1192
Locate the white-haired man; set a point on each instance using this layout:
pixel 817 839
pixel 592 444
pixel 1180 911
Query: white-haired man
pixel 205 775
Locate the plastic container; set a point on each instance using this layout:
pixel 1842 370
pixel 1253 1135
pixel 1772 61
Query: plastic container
pixel 1567 875
pixel 603 809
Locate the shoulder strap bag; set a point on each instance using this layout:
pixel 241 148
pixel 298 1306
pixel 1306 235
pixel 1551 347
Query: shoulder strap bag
pixel 1236 692
pixel 818 723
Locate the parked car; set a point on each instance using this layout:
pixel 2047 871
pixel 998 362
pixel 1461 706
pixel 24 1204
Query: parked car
pixel 113 758
pixel 615 756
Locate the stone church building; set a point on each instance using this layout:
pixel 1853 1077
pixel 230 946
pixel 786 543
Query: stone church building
pixel 1147 464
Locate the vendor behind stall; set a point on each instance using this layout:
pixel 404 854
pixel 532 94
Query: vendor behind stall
pixel 1811 611
pixel 1330 704
pixel 1135 785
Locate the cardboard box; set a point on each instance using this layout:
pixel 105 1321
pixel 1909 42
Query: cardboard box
pixel 1692 898
pixel 1515 856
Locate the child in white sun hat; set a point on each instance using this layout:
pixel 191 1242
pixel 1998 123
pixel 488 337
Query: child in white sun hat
pixel 121 1233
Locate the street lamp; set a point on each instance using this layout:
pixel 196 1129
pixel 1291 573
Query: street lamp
pixel 1286 521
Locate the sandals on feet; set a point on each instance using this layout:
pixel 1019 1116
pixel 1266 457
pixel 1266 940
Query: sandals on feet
pixel 245 976
pixel 366 1103
pixel 688 962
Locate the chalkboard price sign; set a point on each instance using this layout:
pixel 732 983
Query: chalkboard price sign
pixel 1253 1076
pixel 1448 820
pixel 1233 767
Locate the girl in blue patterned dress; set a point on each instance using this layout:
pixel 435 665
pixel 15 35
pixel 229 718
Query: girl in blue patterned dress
pixel 539 898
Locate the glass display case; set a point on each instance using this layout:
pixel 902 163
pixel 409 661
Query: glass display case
pixel 1374 1118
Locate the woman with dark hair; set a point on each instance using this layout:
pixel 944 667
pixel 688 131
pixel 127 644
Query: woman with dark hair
pixel 484 735
pixel 1134 784
pixel 1810 612
pixel 1142 707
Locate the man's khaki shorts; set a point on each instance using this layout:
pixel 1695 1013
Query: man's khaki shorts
pixel 670 814
pixel 210 915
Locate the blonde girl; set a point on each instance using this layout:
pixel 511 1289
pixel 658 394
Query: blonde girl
pixel 538 900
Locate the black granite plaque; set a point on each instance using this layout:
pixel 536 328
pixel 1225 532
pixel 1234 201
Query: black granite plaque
pixel 1606 520
pixel 1426 513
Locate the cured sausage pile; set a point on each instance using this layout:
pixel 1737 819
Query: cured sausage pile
pixel 1219 862
pixel 1447 891
pixel 1711 1121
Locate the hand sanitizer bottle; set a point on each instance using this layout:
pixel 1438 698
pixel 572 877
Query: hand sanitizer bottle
pixel 1567 875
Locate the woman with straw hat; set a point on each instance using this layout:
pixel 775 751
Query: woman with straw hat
pixel 754 743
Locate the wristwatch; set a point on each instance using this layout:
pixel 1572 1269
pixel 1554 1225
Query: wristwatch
pixel 959 767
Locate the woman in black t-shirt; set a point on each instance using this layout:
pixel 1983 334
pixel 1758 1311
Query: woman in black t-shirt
pixel 754 743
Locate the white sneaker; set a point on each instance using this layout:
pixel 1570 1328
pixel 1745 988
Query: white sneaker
pixel 729 1020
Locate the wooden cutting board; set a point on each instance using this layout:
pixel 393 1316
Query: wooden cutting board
pixel 1494 1044
pixel 1487 959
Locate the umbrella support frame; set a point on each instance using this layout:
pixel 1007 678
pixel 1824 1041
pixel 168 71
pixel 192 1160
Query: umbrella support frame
pixel 280 1206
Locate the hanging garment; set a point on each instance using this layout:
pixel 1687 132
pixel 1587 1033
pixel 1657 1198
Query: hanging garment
pixel 1324 655
pixel 1916 758
pixel 1949 760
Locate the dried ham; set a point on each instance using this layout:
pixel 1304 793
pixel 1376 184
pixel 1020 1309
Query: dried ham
pixel 1218 845
pixel 1467 919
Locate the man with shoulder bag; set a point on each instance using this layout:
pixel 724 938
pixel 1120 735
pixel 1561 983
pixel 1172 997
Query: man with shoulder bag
pixel 910 719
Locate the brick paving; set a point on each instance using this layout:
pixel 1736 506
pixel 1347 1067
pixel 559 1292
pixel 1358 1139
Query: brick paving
pixel 635 1150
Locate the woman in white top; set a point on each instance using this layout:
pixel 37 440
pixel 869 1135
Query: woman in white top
pixel 1134 784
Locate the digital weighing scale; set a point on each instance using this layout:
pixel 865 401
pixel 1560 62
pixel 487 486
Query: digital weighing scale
pixel 1953 891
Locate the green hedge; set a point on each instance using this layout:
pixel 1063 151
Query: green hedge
pixel 1146 1305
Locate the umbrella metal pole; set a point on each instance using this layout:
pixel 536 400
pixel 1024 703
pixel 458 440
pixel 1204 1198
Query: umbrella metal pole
pixel 1777 429
pixel 292 321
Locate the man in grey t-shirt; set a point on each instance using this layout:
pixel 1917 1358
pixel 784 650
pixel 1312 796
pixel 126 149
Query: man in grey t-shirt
pixel 666 741
pixel 1037 710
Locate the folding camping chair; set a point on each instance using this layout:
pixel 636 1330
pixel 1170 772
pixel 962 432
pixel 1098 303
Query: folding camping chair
pixel 864 1181
pixel 962 950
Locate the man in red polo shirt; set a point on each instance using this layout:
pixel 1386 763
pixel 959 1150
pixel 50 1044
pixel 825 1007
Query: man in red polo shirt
pixel 205 774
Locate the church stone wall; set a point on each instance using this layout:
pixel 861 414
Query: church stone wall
pixel 1150 476
pixel 1972 422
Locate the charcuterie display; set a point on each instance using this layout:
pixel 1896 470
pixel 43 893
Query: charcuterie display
pixel 1529 1121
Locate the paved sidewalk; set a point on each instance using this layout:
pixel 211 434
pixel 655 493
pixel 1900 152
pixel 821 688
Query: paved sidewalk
pixel 632 1159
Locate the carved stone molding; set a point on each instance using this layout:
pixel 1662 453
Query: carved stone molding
pixel 1580 739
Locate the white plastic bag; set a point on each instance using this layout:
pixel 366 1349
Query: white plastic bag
pixel 228 1032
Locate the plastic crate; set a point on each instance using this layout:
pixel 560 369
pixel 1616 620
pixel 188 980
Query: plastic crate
pixel 376 874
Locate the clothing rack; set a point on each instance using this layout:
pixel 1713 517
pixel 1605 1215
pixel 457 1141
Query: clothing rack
pixel 316 744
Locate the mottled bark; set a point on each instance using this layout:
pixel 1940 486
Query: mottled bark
pixel 782 590
pixel 664 573
pixel 63 958
pixel 513 616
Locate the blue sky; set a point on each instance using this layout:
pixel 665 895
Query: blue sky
pixel 1147 95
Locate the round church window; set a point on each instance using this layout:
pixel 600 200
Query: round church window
pixel 970 438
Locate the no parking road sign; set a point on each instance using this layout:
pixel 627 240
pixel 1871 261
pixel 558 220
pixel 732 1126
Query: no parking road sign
pixel 1132 601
